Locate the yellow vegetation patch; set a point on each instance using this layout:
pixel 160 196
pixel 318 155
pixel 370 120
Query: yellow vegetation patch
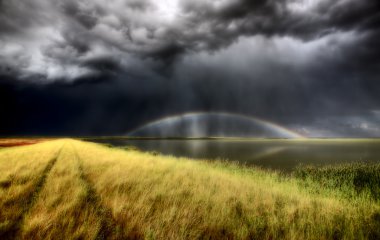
pixel 21 171
pixel 97 192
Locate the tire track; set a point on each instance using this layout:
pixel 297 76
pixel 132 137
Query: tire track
pixel 14 231
pixel 108 223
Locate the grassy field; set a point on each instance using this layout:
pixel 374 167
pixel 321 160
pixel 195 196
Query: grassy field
pixel 69 189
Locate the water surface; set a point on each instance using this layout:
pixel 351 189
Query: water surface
pixel 279 154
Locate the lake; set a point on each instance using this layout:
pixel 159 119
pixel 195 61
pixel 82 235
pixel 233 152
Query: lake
pixel 278 154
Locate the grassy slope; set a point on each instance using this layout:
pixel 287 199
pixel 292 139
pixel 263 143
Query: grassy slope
pixel 93 191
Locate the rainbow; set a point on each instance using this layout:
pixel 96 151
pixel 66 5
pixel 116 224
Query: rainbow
pixel 159 123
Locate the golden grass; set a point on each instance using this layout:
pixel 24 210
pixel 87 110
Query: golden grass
pixel 63 208
pixel 96 192
pixel 21 169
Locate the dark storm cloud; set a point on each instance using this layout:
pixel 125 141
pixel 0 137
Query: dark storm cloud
pixel 85 18
pixel 288 61
pixel 140 5
pixel 163 31
pixel 103 107
pixel 302 19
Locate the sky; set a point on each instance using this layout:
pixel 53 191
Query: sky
pixel 94 67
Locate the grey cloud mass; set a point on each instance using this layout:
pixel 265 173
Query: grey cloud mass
pixel 290 61
pixel 65 40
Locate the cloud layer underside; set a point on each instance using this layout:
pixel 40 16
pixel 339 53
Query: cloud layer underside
pixel 45 41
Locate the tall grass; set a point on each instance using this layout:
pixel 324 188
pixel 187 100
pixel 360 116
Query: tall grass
pixel 357 180
pixel 64 209
pixel 20 171
pixel 175 198
pixel 98 192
